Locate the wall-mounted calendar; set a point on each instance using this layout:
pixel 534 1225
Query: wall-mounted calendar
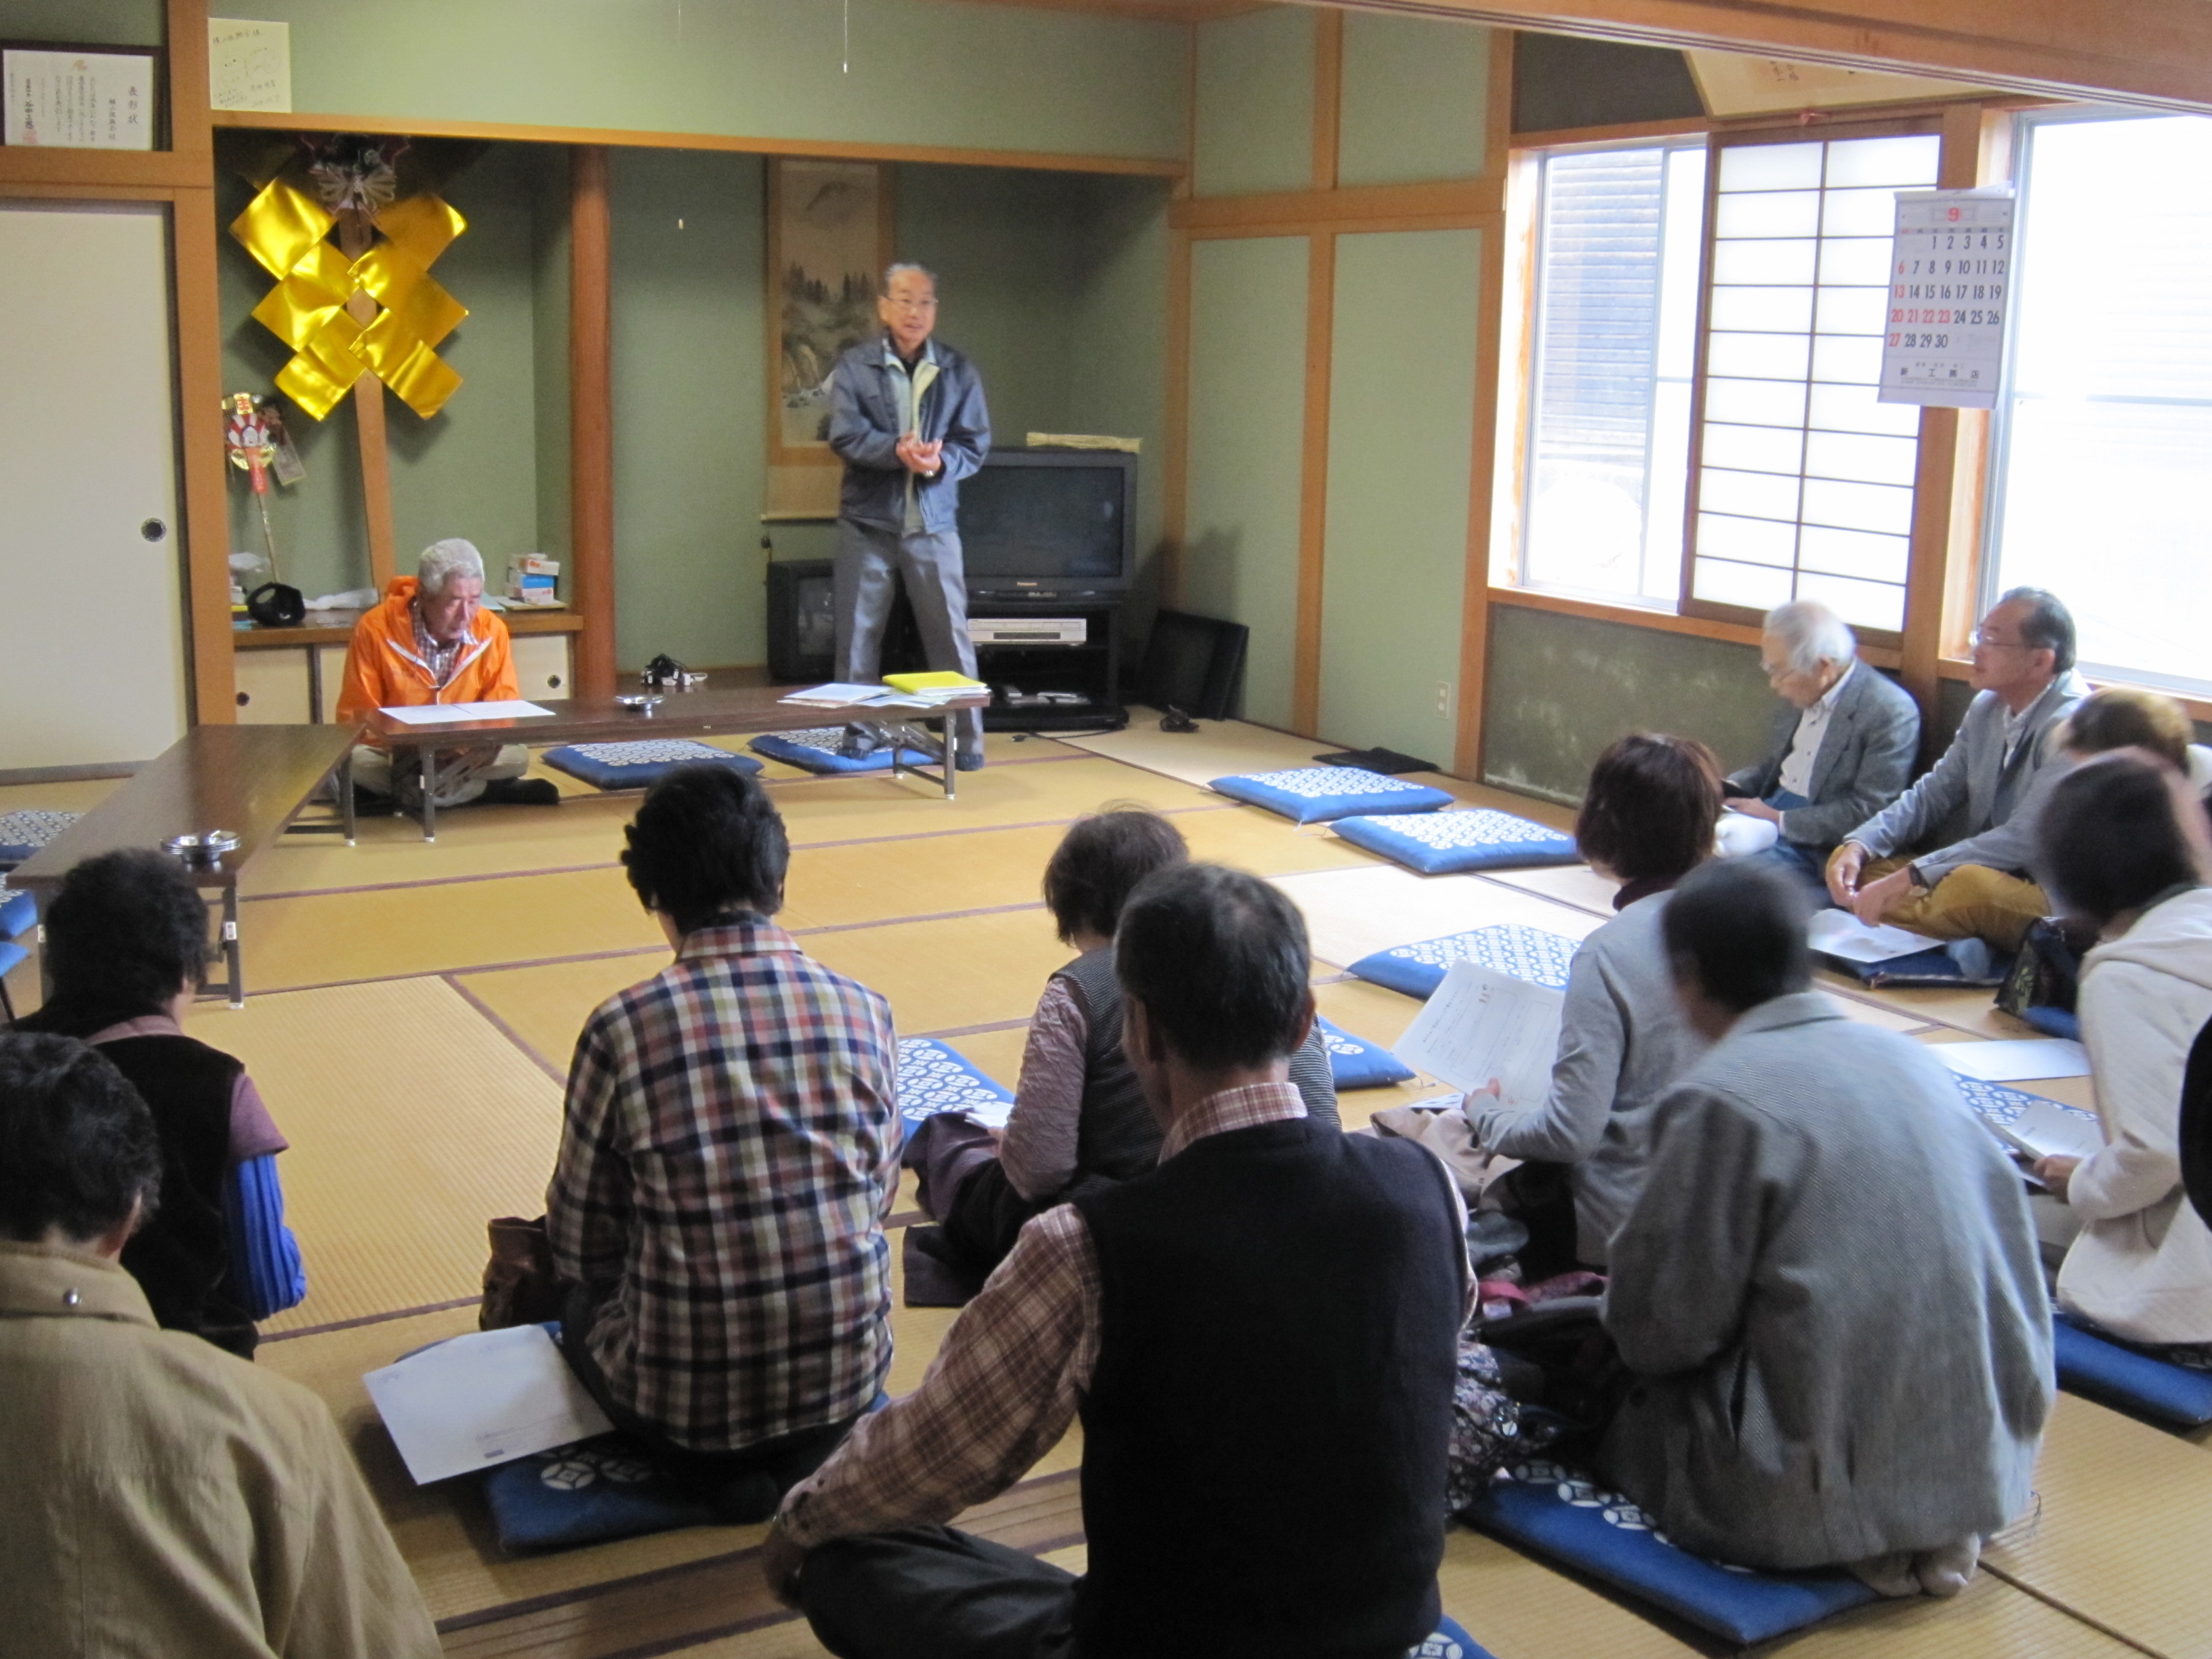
pixel 1950 287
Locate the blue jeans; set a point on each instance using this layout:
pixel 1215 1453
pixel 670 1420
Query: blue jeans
pixel 1802 863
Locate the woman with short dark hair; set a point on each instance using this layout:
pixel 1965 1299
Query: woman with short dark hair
pixel 728 1151
pixel 126 944
pixel 1079 1120
pixel 2122 843
pixel 1646 822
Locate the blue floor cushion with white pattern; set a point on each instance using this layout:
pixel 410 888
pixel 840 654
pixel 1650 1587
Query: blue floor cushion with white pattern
pixel 1356 1063
pixel 18 912
pixel 815 750
pixel 1561 1515
pixel 639 765
pixel 1313 794
pixel 2096 1368
pixel 1450 1641
pixel 935 1077
pixel 586 1493
pixel 1529 953
pixel 1468 838
pixel 22 833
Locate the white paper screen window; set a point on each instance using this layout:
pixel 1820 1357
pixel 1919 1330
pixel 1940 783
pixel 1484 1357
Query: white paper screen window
pixel 1804 481
pixel 2104 428
pixel 1616 317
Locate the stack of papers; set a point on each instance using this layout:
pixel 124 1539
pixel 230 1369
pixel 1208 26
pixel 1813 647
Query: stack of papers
pixel 2016 1061
pixel 1840 934
pixel 935 688
pixel 447 713
pixel 2048 1129
pixel 845 694
pixel 1482 1026
pixel 486 1398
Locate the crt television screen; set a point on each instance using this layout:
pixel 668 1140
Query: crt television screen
pixel 1049 523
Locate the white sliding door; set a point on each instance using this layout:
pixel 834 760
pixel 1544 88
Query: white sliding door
pixel 92 627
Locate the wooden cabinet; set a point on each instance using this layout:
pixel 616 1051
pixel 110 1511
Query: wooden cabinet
pixel 541 668
pixel 272 687
pixel 295 681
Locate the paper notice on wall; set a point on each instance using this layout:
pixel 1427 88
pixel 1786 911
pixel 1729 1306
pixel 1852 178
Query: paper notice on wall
pixel 1481 1024
pixel 1950 288
pixel 79 99
pixel 249 63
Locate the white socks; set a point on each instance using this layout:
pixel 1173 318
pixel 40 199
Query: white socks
pixel 1940 1572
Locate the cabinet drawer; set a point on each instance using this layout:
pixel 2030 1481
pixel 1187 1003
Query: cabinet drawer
pixel 272 687
pixel 541 667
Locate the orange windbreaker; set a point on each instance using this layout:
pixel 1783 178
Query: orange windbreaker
pixel 382 669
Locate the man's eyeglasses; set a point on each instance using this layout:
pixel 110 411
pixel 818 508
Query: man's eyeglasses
pixel 1982 637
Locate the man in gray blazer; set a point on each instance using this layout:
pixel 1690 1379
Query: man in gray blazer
pixel 1843 749
pixel 1828 1290
pixel 1997 770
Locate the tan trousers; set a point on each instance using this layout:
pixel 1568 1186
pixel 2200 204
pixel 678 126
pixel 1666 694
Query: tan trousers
pixel 1972 902
pixel 458 785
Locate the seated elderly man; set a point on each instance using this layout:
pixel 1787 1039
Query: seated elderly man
pixel 162 1497
pixel 429 642
pixel 1794 1405
pixel 1999 767
pixel 1843 749
pixel 729 1149
pixel 1259 1336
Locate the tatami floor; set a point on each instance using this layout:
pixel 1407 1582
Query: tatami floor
pixel 411 1011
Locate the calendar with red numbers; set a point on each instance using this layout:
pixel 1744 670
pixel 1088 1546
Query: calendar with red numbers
pixel 1950 289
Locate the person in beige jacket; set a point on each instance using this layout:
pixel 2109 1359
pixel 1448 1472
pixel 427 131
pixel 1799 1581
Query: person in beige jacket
pixel 160 1497
pixel 2124 844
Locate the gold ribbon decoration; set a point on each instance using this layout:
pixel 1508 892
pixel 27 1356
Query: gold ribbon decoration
pixel 288 231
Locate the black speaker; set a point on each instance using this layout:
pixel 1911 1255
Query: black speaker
pixel 802 626
pixel 1194 664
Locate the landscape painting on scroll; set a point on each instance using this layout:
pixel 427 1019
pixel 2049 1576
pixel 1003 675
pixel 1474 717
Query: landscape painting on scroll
pixel 828 244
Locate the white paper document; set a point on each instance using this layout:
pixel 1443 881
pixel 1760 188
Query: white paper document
pixel 2015 1061
pixel 450 714
pixel 841 695
pixel 489 1397
pixel 1840 934
pixel 2048 1129
pixel 1482 1024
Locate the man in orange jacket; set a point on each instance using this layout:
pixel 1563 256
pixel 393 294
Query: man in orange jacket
pixel 428 643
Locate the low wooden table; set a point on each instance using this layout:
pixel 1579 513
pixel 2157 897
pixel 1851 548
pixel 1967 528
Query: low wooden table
pixel 722 713
pixel 252 780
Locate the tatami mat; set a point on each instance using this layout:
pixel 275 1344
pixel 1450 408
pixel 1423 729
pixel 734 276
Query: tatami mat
pixel 1990 1620
pixel 1351 913
pixel 1519 1608
pixel 412 1121
pixel 78 795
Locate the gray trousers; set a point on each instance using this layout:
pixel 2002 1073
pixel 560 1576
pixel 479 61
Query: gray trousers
pixel 933 1592
pixel 870 559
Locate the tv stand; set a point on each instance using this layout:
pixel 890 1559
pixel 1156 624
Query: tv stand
pixel 1038 686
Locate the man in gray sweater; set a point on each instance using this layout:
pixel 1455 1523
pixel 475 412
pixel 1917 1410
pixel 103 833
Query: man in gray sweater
pixel 1997 772
pixel 1828 1293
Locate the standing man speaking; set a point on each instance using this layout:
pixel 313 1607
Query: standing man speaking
pixel 907 418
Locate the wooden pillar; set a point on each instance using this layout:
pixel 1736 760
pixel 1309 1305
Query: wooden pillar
pixel 591 421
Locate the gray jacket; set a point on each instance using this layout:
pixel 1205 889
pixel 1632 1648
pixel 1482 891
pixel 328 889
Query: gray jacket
pixel 865 430
pixel 1622 1041
pixel 1864 761
pixel 1831 1294
pixel 2001 794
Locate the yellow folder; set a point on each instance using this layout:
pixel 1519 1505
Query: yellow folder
pixel 945 681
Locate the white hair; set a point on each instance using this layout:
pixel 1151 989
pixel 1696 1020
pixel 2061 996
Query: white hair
pixel 443 560
pixel 1812 633
pixel 892 271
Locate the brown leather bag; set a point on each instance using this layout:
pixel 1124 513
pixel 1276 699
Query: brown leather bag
pixel 521 1286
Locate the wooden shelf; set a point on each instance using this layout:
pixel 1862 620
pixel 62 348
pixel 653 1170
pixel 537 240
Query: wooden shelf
pixel 518 622
pixel 131 169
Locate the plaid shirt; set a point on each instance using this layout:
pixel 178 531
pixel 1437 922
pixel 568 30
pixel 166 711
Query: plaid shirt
pixel 729 1149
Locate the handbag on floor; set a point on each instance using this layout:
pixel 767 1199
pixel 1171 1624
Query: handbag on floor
pixel 2046 974
pixel 521 1286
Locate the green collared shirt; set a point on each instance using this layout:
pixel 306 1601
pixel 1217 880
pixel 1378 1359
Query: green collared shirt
pixel 908 385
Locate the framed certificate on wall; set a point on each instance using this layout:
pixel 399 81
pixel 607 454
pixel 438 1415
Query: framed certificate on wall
pixel 72 98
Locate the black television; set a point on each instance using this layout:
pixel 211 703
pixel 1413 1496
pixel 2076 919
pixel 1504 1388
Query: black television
pixel 1037 524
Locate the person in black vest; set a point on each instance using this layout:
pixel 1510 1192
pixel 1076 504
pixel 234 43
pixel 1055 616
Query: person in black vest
pixel 127 942
pixel 1080 1122
pixel 1259 1336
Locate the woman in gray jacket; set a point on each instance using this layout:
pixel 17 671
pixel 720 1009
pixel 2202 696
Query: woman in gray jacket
pixel 1646 822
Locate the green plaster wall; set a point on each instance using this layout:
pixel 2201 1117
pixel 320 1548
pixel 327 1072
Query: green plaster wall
pixel 1400 439
pixel 921 71
pixel 1562 688
pixel 1415 101
pixel 689 352
pixel 83 22
pixel 471 469
pixel 1247 413
pixel 1255 119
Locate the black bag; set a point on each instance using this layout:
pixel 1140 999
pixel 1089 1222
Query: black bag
pixel 2196 1126
pixel 2047 972
pixel 273 604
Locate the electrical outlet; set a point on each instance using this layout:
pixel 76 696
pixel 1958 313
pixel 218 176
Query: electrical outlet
pixel 1443 696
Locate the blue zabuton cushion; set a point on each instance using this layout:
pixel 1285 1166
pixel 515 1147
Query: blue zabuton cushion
pixel 1313 794
pixel 22 833
pixel 586 1493
pixel 1561 1515
pixel 640 764
pixel 1529 953
pixel 1450 1641
pixel 1356 1063
pixel 934 1076
pixel 18 912
pixel 1470 838
pixel 2098 1368
pixel 816 751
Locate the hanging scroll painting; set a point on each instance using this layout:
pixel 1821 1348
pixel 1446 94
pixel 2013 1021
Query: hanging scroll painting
pixel 830 237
